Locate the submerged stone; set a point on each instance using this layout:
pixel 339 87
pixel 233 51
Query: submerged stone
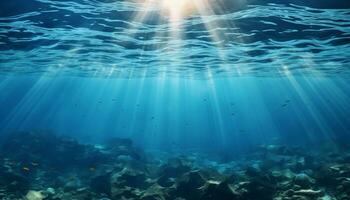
pixel 129 178
pixel 303 180
pixel 173 169
pixel 72 185
pixel 189 185
pixel 215 190
pixel 34 195
pixel 309 193
pixel 166 181
pixel 155 192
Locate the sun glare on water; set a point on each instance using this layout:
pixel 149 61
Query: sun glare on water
pixel 177 9
pixel 175 14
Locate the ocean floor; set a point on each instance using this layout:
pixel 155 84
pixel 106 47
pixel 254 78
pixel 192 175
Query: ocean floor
pixel 37 166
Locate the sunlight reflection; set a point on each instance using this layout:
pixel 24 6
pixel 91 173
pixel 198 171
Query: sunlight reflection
pixel 177 14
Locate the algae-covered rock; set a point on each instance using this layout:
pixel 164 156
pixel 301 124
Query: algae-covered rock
pixel 155 192
pixel 34 195
pixel 173 169
pixel 309 193
pixel 72 184
pixel 165 181
pixel 188 186
pixel 128 184
pixel 213 190
pixel 303 180
pixel 129 178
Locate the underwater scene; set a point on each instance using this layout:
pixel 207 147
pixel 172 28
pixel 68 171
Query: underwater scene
pixel 174 100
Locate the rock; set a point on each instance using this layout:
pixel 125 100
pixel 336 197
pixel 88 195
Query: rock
pixel 124 147
pixel 195 179
pixel 215 191
pixel 155 192
pixel 189 184
pixel 129 178
pixel 73 184
pixel 166 181
pixel 309 193
pixel 173 169
pixel 128 183
pixel 34 195
pixel 303 180
pixel 50 191
pixel 326 197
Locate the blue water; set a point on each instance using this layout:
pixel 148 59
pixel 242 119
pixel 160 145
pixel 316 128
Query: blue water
pixel 245 73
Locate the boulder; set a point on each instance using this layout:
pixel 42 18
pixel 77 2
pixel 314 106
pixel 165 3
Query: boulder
pixel 188 186
pixel 303 180
pixel 166 181
pixel 34 195
pixel 129 178
pixel 155 192
pixel 215 190
pixel 173 169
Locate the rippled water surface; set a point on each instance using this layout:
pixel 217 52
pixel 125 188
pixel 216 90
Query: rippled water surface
pixel 125 38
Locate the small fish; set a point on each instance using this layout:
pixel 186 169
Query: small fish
pixel 92 169
pixel 26 169
pixel 34 163
pixel 284 105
